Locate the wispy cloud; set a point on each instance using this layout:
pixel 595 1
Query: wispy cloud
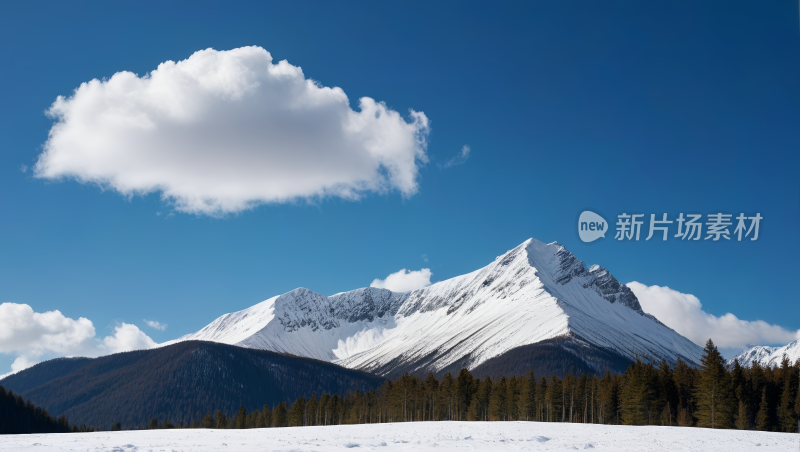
pixel 424 257
pixel 460 159
pixel 156 325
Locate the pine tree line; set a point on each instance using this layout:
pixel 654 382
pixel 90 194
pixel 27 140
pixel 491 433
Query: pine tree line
pixel 18 416
pixel 646 394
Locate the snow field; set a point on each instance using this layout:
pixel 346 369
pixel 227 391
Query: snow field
pixel 416 436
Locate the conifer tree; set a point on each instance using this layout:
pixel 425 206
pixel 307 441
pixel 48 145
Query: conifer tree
pixel 446 390
pixel 153 424
pixel 762 418
pixel 637 394
pixel 713 391
pixel 666 399
pixel 312 408
pixel 530 397
pixel 324 407
pixel 241 418
pixel 297 413
pixel 568 397
pixel 463 393
pixel 222 420
pixel 797 389
pixel 512 399
pixel 593 408
pixel 685 382
pixel 787 418
pixel 541 398
pixel 336 410
pixel 208 421
pixel 741 399
pixel 431 394
pixel 254 419
pixel 498 401
pixel 258 419
pixel 279 415
pixel 472 413
pixel 583 398
pixel 266 416
pixel 743 412
pixel 555 402
pixel 482 398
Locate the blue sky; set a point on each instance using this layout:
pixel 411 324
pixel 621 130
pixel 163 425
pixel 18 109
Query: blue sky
pixel 644 107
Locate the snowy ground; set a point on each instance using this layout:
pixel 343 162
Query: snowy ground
pixel 468 436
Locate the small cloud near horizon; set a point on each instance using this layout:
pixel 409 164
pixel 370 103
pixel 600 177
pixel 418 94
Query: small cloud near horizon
pixel 36 336
pixel 155 325
pixel 684 313
pixel 405 280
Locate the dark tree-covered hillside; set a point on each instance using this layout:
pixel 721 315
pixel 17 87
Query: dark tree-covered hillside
pixel 179 382
pixel 646 393
pixel 19 416
pixel 558 356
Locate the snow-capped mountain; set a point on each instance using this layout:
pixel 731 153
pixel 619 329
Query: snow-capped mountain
pixel 768 356
pixel 532 294
pixel 305 323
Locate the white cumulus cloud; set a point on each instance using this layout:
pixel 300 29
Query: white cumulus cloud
pixel 405 280
pixel 126 337
pixel 23 329
pixel 34 336
pixel 684 313
pixel 155 325
pixel 224 131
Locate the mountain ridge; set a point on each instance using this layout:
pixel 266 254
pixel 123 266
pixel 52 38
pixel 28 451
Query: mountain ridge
pixel 534 292
pixel 767 356
pixel 181 382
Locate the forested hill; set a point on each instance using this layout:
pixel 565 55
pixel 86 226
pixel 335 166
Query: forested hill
pixel 180 382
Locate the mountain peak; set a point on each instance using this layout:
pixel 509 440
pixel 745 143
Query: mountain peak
pixel 534 293
pixel 562 266
pixel 767 356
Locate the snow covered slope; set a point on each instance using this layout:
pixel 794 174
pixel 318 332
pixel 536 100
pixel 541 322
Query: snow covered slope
pixel 533 293
pixel 768 356
pixel 415 436
pixel 305 323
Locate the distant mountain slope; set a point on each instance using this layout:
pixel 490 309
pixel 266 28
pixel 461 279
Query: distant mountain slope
pixel 559 356
pixel 768 356
pixel 182 381
pixel 534 293
pixel 302 322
